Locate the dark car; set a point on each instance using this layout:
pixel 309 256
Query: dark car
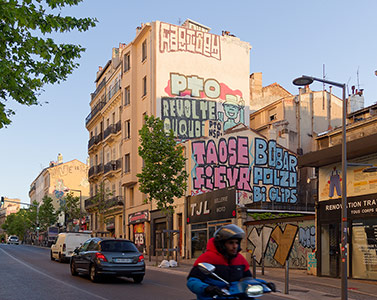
pixel 98 257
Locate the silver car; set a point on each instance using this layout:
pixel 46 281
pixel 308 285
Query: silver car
pixel 13 239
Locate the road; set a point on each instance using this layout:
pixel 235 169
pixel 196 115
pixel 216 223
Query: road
pixel 26 272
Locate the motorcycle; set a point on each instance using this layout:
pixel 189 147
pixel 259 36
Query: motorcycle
pixel 247 288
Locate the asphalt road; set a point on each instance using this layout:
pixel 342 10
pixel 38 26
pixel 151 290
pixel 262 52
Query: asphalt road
pixel 26 272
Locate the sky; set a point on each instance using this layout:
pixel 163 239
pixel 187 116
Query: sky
pixel 288 39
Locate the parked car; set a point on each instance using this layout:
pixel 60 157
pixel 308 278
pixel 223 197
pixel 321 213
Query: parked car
pixel 66 242
pixel 13 239
pixel 98 257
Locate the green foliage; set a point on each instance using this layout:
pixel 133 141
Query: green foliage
pixel 269 216
pixel 18 223
pixel 29 59
pixel 163 176
pixel 47 214
pixel 101 198
pixel 71 207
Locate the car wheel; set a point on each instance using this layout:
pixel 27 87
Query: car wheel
pixel 51 257
pixel 138 278
pixel 73 269
pixel 94 277
pixel 60 258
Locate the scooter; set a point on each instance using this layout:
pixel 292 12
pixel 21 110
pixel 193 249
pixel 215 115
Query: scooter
pixel 247 288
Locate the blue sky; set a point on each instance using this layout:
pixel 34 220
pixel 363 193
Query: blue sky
pixel 288 39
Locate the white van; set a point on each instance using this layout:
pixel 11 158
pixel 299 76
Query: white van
pixel 66 242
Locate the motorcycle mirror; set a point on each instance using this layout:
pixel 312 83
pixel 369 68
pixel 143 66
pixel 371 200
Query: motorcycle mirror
pixel 206 268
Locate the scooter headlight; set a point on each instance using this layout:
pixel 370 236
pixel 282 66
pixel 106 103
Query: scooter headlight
pixel 254 290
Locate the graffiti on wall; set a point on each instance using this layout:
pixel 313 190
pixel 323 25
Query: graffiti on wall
pixel 221 164
pixel 306 236
pixel 192 100
pixel 276 244
pixel 175 38
pixel 276 167
pixel 260 170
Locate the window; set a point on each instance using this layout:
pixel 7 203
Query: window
pixel 144 86
pixel 127 62
pixel 127 129
pixel 272 114
pixel 131 196
pixel 127 163
pixel 144 50
pixel 127 96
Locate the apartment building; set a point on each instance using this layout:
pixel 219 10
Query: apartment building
pixel 58 179
pixel 7 209
pixel 184 75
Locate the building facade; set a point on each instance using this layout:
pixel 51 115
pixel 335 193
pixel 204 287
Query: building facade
pixel 57 180
pixel 361 196
pixel 7 209
pixel 184 75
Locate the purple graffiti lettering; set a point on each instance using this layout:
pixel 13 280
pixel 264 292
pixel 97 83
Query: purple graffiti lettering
pixel 220 172
pixel 243 153
pixel 232 176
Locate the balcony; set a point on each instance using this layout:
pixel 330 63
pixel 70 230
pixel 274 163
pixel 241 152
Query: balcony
pixel 99 169
pixel 91 142
pixel 91 203
pixel 111 131
pixel 114 201
pixel 99 88
pixel 113 90
pixel 94 111
pixel 92 171
pixel 113 167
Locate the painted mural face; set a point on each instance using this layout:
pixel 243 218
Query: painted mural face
pixel 193 100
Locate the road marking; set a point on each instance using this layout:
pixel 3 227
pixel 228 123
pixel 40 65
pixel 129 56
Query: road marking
pixel 58 280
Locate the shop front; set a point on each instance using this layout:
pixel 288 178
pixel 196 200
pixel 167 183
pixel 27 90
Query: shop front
pixel 206 213
pixel 362 237
pixel 137 222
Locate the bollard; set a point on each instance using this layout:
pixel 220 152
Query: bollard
pixel 286 287
pixel 254 267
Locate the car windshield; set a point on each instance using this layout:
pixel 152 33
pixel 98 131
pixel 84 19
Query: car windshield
pixel 118 246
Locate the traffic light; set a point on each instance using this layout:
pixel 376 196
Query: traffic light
pixel 2 201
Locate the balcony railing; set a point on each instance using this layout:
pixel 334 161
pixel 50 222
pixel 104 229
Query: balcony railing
pixel 91 202
pixel 91 142
pixel 109 130
pixel 95 111
pixel 92 171
pixel 113 166
pixel 113 90
pixel 114 201
pixel 99 138
pixel 99 168
pixel 99 88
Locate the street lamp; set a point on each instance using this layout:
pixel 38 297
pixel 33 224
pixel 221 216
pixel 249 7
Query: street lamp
pixel 306 80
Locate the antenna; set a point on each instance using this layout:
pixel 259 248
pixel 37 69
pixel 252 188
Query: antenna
pixel 358 79
pixel 323 75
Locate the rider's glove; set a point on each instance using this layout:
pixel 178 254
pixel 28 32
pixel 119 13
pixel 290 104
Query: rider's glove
pixel 213 290
pixel 272 286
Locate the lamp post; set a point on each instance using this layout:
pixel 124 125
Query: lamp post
pixel 306 80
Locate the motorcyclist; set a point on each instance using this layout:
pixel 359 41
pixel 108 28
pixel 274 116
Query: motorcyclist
pixel 222 252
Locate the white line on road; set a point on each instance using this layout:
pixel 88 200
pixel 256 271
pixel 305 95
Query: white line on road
pixel 60 281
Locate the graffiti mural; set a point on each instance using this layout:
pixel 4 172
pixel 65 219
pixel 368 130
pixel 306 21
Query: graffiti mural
pixel 260 170
pixel 274 244
pixel 277 167
pixel 175 38
pixel 192 100
pixel 306 236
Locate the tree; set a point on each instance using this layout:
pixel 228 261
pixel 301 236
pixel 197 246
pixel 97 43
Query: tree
pixel 47 213
pixel 29 59
pixel 71 207
pixel 163 177
pixel 18 223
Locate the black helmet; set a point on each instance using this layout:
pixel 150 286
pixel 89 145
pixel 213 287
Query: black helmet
pixel 228 232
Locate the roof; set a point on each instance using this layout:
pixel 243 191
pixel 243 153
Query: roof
pixel 355 148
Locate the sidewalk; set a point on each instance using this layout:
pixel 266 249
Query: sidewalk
pixel 301 285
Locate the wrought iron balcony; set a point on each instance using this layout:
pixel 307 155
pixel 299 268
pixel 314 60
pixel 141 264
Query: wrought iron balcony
pixel 92 171
pixel 99 168
pixel 91 142
pixel 95 111
pixel 99 88
pixel 113 165
pixel 91 202
pixel 109 130
pixel 114 201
